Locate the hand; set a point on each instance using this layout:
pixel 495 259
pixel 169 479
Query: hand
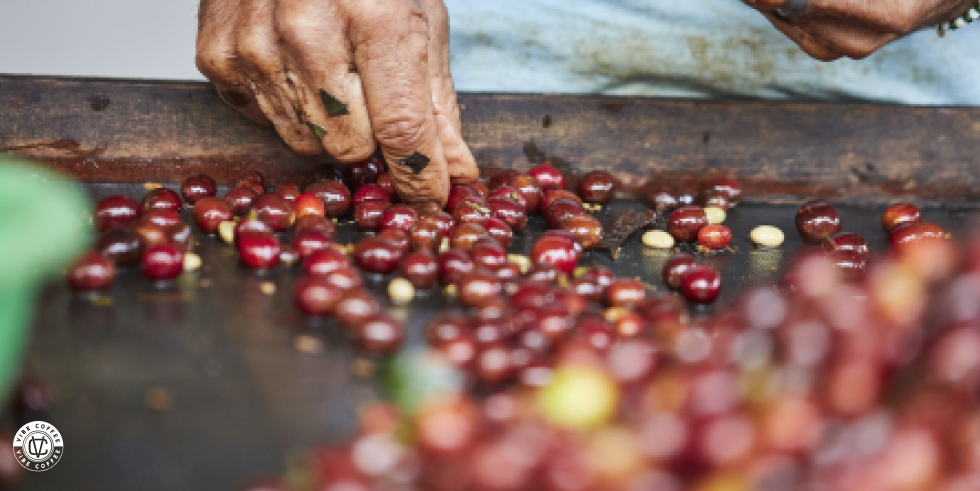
pixel 387 60
pixel 831 29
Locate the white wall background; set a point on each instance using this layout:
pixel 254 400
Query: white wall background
pixel 103 38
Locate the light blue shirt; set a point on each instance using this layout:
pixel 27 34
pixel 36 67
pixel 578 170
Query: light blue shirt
pixel 690 48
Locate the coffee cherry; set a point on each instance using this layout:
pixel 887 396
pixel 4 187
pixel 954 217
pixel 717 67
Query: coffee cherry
pixel 182 235
pixel 662 198
pixel 161 199
pixel 547 174
pixel 347 279
pixel 335 196
pixel 254 177
pixel 625 292
pixel 465 235
pixel 240 200
pixel 561 209
pixel 370 192
pixel 426 235
pixel 676 268
pixel 488 253
pixel 388 185
pixel 91 271
pixel 150 234
pixel 508 192
pixel 713 199
pixel 308 204
pixel 561 252
pixel 376 255
pixel 288 191
pixel 817 220
pixel 898 214
pixel 197 187
pixel 497 229
pixel 209 212
pixel 685 222
pixel 397 238
pixel 851 265
pixel 471 209
pixel 275 211
pixel 478 288
pixel 250 225
pixel 357 306
pixel 848 242
pixel 910 233
pixel 500 179
pixel 258 250
pixel 453 264
pixel 258 189
pixel 458 193
pixel 530 188
pixel 163 218
pixel 116 211
pixel 310 240
pixel 120 245
pixel 315 222
pixel 325 261
pixel 316 296
pixel 443 220
pixel 398 217
pixel 421 269
pixel 163 262
pixel 366 172
pixel 729 188
pixel 596 187
pixel 701 285
pixel 587 230
pixel 552 195
pixel 368 214
pixel 714 237
pixel 509 212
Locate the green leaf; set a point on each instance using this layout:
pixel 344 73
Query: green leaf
pixel 415 376
pixel 332 105
pixel 318 130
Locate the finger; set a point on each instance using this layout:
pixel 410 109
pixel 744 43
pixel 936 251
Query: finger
pixel 316 50
pixel 855 42
pixel 274 90
pixel 804 40
pixel 216 59
pixel 462 167
pixel 391 52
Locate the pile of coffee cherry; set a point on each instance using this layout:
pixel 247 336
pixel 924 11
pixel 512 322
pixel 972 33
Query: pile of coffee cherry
pixel 596 382
pixel 824 382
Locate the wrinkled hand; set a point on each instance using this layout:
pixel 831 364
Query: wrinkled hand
pixel 387 60
pixel 831 29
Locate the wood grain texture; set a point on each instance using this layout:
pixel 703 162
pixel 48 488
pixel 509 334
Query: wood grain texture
pixel 136 131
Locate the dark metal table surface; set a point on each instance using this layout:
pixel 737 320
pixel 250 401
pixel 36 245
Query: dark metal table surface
pixel 212 383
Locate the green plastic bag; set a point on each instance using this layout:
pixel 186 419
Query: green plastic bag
pixel 43 226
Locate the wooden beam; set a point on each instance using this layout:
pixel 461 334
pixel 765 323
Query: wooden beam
pixel 137 131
